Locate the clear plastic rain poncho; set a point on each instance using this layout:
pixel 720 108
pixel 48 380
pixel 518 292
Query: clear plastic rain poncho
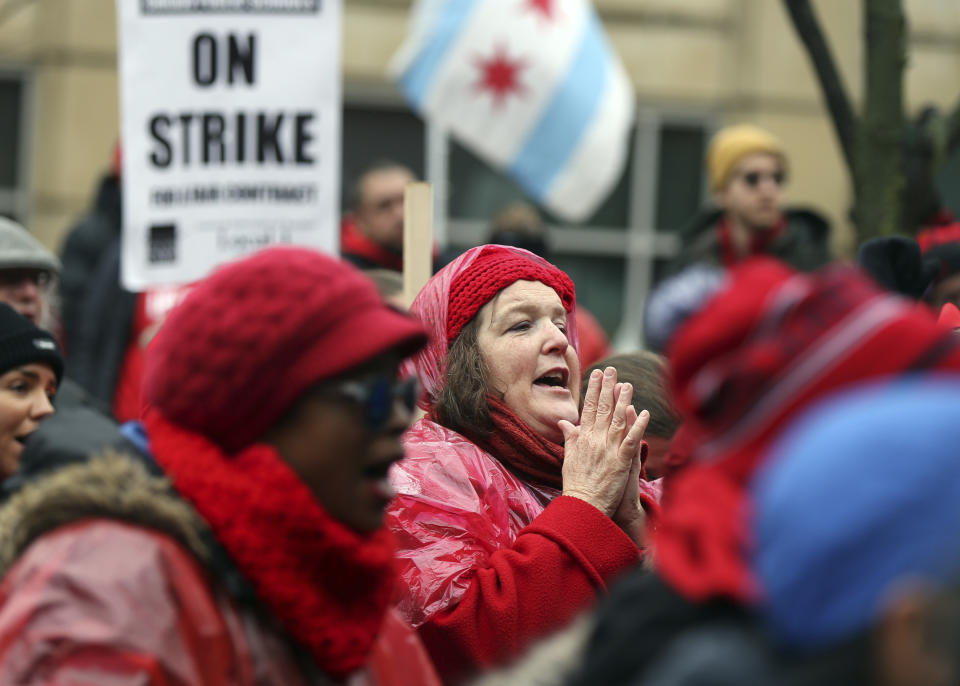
pixel 456 504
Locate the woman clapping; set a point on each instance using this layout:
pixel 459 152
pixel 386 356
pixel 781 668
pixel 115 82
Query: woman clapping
pixel 514 510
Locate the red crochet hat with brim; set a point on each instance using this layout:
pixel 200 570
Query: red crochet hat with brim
pixel 250 339
pixel 495 268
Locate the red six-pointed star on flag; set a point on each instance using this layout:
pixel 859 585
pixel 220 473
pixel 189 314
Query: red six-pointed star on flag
pixel 544 7
pixel 499 74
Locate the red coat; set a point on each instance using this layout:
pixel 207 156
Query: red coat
pixel 102 601
pixel 487 564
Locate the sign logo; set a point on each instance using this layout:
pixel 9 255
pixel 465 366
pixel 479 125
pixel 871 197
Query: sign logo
pixel 162 243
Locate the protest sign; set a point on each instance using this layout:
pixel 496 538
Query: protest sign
pixel 417 238
pixel 231 131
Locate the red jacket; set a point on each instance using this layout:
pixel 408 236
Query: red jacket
pixel 105 601
pixel 487 564
pixel 111 579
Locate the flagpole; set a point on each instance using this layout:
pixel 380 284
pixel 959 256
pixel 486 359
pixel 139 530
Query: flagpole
pixel 417 238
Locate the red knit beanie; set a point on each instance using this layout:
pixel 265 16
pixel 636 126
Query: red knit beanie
pixel 250 339
pixel 495 268
pixel 719 330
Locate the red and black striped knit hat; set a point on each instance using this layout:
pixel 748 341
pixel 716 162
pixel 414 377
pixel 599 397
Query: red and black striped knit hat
pixel 766 347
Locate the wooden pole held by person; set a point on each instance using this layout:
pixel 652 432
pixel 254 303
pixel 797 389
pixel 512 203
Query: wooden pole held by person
pixel 417 238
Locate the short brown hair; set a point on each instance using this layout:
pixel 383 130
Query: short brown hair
pixel 462 403
pixel 356 191
pixel 647 372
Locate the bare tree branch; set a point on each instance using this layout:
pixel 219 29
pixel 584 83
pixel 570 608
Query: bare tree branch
pixel 880 152
pixel 953 129
pixel 807 26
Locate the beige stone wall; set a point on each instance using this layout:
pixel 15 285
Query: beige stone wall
pixel 69 46
pixel 737 59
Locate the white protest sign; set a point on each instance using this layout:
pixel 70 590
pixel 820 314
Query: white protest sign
pixel 231 131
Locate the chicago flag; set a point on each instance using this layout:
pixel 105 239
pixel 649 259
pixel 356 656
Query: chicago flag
pixel 531 86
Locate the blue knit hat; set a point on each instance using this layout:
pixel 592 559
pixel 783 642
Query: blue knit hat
pixel 861 493
pixel 677 299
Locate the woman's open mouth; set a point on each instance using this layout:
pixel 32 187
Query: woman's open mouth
pixel 376 477
pixel 553 380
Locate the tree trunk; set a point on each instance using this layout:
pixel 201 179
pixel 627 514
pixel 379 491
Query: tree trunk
pixel 879 158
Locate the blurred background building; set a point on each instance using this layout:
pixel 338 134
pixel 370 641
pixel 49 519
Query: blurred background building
pixel 697 65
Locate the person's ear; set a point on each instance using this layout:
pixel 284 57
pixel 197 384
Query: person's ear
pixel 906 653
pixel 720 198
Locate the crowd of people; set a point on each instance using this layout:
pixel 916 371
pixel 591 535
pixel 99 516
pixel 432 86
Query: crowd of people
pixel 280 475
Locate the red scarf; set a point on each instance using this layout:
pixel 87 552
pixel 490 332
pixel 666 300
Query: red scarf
pixel 522 450
pixel 760 241
pixel 942 228
pixel 352 242
pixel 328 586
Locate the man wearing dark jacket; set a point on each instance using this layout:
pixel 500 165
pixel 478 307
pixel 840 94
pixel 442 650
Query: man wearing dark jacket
pixel 747 170
pixel 82 251
pixel 107 326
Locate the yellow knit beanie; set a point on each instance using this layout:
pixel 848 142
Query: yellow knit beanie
pixel 732 144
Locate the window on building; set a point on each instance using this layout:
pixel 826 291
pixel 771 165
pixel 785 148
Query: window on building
pixel 372 133
pixel 13 193
pixel 680 170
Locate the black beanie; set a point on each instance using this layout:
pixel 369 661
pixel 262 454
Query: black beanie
pixel 23 342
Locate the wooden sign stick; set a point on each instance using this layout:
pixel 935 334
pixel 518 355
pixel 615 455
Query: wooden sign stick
pixel 417 238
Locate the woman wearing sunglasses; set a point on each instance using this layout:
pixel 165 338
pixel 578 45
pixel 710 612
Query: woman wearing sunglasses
pixel 246 543
pixel 514 509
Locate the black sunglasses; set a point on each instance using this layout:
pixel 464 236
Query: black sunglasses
pixel 753 179
pixel 15 277
pixel 377 394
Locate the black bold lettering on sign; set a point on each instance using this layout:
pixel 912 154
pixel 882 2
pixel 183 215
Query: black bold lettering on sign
pixel 302 138
pixel 242 58
pixel 268 136
pixel 240 137
pixel 204 59
pixel 158 128
pixel 211 138
pixel 185 120
pixel 239 56
pixel 213 125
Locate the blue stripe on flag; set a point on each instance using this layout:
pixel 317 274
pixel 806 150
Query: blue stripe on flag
pixel 567 117
pixel 416 80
